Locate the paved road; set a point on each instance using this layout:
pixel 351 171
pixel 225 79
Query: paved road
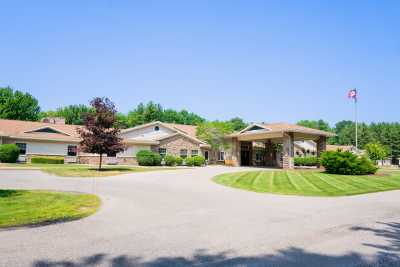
pixel 181 218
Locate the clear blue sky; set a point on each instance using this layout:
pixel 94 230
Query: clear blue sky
pixel 260 60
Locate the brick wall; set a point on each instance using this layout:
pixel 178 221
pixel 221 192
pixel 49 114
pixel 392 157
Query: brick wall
pixel 175 143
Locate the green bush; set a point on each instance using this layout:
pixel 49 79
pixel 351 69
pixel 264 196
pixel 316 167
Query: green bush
pixel 306 161
pixel 179 161
pixel 199 160
pixel 338 162
pixel 9 153
pixel 170 160
pixel 48 160
pixel 148 158
pixel 189 161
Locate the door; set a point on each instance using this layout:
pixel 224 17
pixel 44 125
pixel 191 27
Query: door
pixel 245 158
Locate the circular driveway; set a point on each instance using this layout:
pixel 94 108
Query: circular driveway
pixel 182 218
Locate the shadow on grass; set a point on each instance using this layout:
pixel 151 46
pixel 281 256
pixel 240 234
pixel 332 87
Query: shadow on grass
pixel 118 169
pixel 387 256
pixel 9 193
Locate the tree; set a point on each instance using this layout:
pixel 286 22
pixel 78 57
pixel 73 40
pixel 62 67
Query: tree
pixel 319 124
pixel 376 151
pixel 18 105
pixel 237 123
pixel 214 133
pixel 101 133
pixel 73 114
pixel 151 111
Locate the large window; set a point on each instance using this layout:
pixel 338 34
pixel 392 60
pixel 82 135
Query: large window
pixel 162 151
pixel 221 156
pixel 72 150
pixel 195 152
pixel 259 156
pixel 183 153
pixel 22 148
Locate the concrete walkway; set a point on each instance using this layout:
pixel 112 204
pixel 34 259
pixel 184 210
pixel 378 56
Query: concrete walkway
pixel 182 218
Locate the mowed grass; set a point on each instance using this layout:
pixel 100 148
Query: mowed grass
pixel 310 182
pixel 24 207
pixel 78 170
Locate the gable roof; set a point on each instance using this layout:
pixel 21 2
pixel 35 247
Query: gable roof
pixel 281 127
pixel 188 131
pixel 31 130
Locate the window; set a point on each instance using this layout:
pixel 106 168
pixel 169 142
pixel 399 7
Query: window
pixel 22 148
pixel 259 156
pixel 157 128
pixel 221 156
pixel 195 152
pixel 72 150
pixel 206 155
pixel 162 151
pixel 183 153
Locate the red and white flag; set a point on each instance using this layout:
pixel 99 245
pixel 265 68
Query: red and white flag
pixel 352 94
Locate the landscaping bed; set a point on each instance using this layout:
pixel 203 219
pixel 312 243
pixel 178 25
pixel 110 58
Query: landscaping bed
pixel 31 207
pixel 310 183
pixel 78 170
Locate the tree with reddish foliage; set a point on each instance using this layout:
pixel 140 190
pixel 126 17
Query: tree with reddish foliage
pixel 100 134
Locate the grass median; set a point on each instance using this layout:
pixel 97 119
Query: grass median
pixel 310 182
pixel 34 207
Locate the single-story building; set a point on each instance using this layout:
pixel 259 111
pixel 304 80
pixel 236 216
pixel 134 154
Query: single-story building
pixel 256 145
pixel 271 144
pixel 55 138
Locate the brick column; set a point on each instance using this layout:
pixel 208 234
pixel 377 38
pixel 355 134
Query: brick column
pixel 288 151
pixel 321 147
pixel 235 152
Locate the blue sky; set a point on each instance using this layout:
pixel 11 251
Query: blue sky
pixel 260 60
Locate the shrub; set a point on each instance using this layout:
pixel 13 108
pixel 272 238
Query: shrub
pixel 189 161
pixel 179 161
pixel 48 160
pixel 338 162
pixel 199 161
pixel 148 158
pixel 170 160
pixel 9 153
pixel 306 161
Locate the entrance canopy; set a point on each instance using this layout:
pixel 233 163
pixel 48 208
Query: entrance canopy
pixel 243 152
pixel 256 131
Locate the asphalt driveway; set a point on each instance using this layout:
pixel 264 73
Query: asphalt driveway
pixel 181 218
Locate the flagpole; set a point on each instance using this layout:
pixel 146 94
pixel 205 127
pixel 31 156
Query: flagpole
pixel 356 119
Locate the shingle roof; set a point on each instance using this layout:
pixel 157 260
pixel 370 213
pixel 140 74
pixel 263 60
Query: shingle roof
pixel 287 127
pixel 188 129
pixel 26 130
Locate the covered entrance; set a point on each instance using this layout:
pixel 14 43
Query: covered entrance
pixel 272 145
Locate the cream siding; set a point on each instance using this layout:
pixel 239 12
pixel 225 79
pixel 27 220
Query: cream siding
pixel 148 132
pixel 132 150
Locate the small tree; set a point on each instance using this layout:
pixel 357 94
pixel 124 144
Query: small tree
pixel 100 134
pixel 376 151
pixel 214 133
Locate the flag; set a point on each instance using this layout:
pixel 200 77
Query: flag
pixel 352 94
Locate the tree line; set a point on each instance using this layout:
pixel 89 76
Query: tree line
pixel 18 105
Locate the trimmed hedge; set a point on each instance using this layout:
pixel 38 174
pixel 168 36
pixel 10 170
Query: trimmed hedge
pixel 179 161
pixel 306 161
pixel 148 158
pixel 170 160
pixel 48 160
pixel 9 153
pixel 195 161
pixel 337 162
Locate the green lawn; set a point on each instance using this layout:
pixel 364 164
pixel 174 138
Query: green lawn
pixel 310 183
pixel 23 207
pixel 78 170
